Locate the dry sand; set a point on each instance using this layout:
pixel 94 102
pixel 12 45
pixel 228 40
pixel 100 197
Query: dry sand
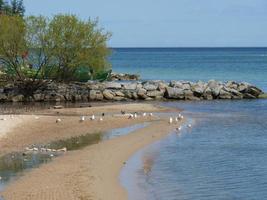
pixel 90 173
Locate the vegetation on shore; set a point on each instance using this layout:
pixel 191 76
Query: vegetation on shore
pixel 37 49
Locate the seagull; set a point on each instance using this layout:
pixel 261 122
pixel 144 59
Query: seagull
pixel 176 119
pixel 144 114
pixel 179 128
pixel 93 117
pixel 36 117
pixel 82 119
pixel 131 116
pixel 135 115
pixel 150 114
pixel 58 120
pixel 122 112
pixel 189 126
pixel 170 120
pixel 101 119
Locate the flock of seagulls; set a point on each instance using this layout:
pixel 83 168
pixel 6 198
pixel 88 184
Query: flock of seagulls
pixel 180 117
pixel 45 150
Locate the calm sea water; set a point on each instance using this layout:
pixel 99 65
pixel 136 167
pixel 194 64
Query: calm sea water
pixel 241 64
pixel 224 155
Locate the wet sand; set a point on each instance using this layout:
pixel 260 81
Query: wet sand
pixel 90 173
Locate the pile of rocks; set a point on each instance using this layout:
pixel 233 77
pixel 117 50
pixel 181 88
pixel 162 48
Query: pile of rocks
pixel 136 90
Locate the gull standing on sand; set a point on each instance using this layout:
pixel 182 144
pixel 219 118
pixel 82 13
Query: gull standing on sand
pixel 101 119
pixel 93 117
pixel 150 114
pixel 58 120
pixel 170 120
pixel 144 114
pixel 135 115
pixel 82 118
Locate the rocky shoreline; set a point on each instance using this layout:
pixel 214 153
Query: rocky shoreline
pixel 134 90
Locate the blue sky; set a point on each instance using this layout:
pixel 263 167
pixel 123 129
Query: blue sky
pixel 169 23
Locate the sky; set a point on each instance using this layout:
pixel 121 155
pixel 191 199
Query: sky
pixel 169 23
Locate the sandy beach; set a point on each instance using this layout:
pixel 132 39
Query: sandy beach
pixel 90 173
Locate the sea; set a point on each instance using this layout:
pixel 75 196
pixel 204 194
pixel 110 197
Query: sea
pixel 224 155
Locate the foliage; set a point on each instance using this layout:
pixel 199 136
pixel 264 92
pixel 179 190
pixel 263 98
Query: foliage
pixel 63 48
pixel 76 44
pixel 12 45
pixel 14 7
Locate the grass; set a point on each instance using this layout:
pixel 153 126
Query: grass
pixel 263 96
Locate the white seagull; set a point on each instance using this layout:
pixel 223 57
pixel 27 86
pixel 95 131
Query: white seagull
pixel 170 120
pixel 82 118
pixel 93 117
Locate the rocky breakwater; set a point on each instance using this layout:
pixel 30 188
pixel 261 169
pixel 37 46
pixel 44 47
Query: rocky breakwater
pixel 136 90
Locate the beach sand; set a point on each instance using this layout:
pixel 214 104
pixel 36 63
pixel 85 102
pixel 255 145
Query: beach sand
pixel 90 173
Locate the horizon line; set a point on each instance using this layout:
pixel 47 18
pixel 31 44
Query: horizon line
pixel 142 47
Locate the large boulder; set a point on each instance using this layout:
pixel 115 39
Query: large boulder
pixel 189 95
pixel 198 89
pixel 256 92
pixel 95 95
pixel 155 93
pixel 243 87
pixel 108 94
pixel 174 93
pixel 224 94
pixel 142 93
pixel 149 87
pixel 112 85
pixel 120 94
pixel 186 86
pixel 129 86
pixel 177 84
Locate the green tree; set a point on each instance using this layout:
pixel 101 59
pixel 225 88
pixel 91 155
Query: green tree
pixel 17 7
pixel 12 45
pixel 14 7
pixel 63 48
pixel 78 45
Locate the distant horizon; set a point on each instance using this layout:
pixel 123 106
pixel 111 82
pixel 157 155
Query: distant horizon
pixel 200 47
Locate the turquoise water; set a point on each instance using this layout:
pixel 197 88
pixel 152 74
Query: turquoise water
pixel 241 64
pixel 224 155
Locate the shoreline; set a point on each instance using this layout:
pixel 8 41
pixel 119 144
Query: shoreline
pixel 93 172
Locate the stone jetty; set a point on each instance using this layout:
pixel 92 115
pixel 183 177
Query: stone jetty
pixel 134 90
